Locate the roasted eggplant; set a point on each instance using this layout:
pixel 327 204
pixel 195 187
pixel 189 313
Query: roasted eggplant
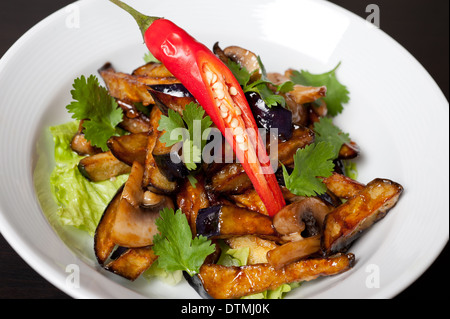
pixel 293 251
pixel 103 243
pixel 169 162
pixel 274 117
pixel 171 96
pixel 191 199
pixel 343 186
pixel 347 222
pixel 222 282
pixel 224 221
pixel 131 88
pixel 132 263
pixel 154 179
pixel 129 148
pixel 153 69
pixel 102 166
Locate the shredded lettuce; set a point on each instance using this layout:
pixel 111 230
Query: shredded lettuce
pixel 81 202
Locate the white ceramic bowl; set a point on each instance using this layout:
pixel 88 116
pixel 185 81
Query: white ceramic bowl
pixel 397 114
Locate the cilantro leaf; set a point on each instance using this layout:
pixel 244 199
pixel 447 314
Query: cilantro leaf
pixel 337 93
pixel 311 163
pixel 260 86
pixel 192 126
pixel 326 131
pixel 174 245
pixel 168 124
pixel 93 103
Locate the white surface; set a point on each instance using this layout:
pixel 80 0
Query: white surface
pixel 397 115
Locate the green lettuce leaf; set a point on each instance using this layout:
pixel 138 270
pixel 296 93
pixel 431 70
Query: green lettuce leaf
pixel 81 202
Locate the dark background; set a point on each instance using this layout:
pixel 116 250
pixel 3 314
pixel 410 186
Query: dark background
pixel 421 26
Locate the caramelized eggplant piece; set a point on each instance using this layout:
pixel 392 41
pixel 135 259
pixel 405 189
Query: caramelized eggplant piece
pixel 136 125
pixel 347 222
pixel 169 162
pixel 301 219
pixel 301 137
pixel 81 145
pixel 349 151
pixel 102 166
pixel 103 244
pixel 129 87
pixel 226 221
pixel 343 186
pixel 154 179
pixel 132 263
pixel 173 96
pixel 258 247
pixel 250 200
pixel 133 225
pixel 153 69
pixel 192 199
pixel 231 179
pixel 293 251
pixel 275 117
pixel 222 282
pixel 196 283
pixel 129 148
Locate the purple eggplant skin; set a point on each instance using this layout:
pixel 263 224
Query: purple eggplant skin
pixel 196 283
pixel 172 171
pixel 177 89
pixel 270 117
pixel 208 221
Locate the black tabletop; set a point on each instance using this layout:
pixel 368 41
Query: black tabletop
pixel 421 26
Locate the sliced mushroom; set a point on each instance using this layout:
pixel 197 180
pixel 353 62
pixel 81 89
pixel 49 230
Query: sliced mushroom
pixel 134 225
pixel 246 59
pixel 301 219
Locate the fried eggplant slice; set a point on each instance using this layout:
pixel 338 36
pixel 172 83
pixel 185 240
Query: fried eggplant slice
pixel 231 179
pixel 343 186
pixel 102 166
pixel 347 222
pixel 191 199
pixel 103 244
pixel 223 221
pixel 136 125
pixel 250 200
pixel 293 251
pixel 132 263
pixel 222 282
pixel 129 87
pixel 174 100
pixel 154 179
pixel 153 69
pixel 129 148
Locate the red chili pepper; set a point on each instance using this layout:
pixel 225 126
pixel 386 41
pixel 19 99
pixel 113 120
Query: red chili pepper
pixel 214 86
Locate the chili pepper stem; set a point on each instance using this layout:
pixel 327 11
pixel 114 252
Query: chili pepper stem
pixel 142 20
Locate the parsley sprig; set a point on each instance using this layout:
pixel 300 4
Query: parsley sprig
pixel 311 163
pixel 260 86
pixel 337 93
pixel 176 248
pixel 100 111
pixel 194 124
